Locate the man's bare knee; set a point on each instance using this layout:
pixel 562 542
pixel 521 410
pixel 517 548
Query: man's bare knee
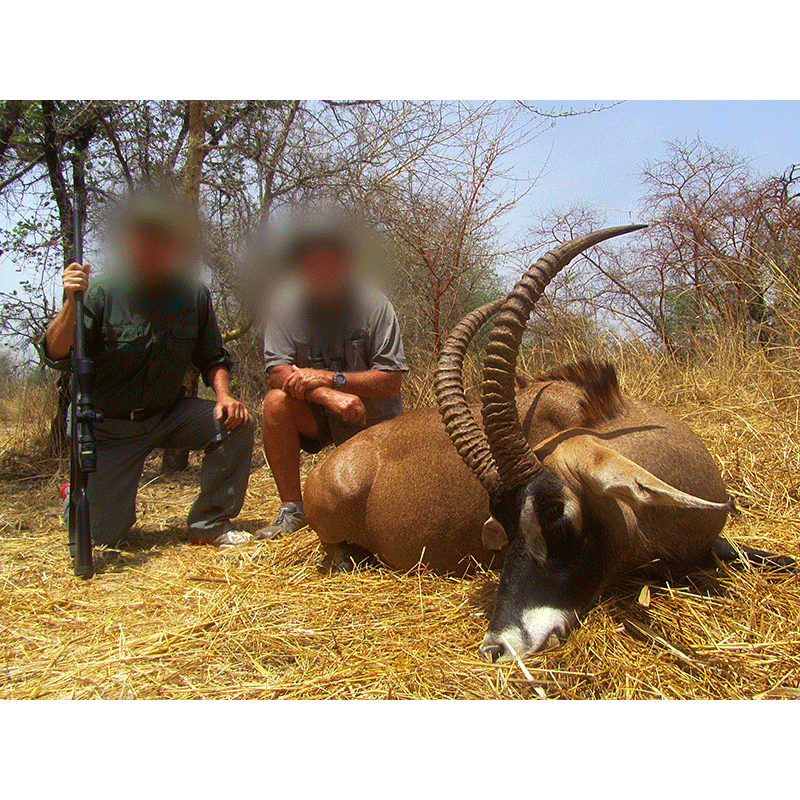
pixel 281 409
pixel 277 407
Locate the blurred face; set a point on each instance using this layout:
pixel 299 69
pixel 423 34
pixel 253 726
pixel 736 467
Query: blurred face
pixel 325 268
pixel 153 253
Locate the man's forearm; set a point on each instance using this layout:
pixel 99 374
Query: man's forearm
pixel 323 395
pixel 58 338
pixel 219 379
pixel 346 404
pixel 371 383
pixel 301 382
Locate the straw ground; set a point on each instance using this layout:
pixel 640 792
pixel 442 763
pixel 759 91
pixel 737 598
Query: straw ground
pixel 166 620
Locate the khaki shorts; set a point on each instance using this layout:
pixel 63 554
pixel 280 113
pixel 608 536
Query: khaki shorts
pixel 332 430
pixel 325 438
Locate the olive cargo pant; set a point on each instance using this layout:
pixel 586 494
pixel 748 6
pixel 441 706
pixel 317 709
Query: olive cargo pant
pixel 123 445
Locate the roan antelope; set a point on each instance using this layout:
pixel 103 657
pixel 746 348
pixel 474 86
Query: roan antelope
pixel 580 483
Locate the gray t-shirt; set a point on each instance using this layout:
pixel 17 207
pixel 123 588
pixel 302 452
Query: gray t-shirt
pixel 363 336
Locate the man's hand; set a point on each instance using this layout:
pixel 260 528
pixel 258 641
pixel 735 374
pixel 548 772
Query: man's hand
pixel 75 278
pixel 348 407
pixel 304 380
pixel 230 411
pixel 58 338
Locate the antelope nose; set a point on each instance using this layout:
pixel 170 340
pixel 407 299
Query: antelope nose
pixel 492 651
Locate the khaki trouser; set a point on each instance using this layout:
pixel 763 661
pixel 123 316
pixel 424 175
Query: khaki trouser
pixel 123 446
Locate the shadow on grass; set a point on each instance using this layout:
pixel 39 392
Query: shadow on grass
pixel 138 547
pixel 142 545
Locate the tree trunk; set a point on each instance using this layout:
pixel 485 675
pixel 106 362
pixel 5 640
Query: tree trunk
pixel 178 460
pixel 12 113
pixel 53 146
pixel 57 442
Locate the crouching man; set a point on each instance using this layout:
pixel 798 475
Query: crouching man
pixel 146 322
pixel 335 362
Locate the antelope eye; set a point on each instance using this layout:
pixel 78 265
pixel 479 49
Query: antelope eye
pixel 552 512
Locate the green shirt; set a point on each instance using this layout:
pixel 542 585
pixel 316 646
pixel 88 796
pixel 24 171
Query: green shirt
pixel 143 342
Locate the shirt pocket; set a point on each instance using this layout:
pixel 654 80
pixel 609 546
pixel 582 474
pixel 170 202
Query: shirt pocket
pixel 124 341
pixel 356 352
pixel 124 354
pixel 181 341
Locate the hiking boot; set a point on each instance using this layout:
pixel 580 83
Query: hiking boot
pixel 227 539
pixel 290 519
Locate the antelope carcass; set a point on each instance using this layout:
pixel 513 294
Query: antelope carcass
pixel 569 484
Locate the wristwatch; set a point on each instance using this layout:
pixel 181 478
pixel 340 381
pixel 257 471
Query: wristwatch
pixel 339 379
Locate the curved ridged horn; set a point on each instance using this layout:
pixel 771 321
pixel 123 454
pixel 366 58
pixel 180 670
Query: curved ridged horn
pixel 516 462
pixel 462 428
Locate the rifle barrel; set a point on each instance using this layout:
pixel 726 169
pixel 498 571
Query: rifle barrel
pixel 77 238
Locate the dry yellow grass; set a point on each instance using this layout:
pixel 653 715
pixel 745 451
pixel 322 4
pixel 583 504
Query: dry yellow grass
pixel 165 620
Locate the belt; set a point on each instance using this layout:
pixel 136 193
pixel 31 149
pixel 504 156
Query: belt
pixel 137 415
pixel 141 414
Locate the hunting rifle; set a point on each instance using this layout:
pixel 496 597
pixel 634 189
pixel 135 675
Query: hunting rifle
pixel 83 454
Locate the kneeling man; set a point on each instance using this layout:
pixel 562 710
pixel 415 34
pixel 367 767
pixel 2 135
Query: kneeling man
pixel 335 362
pixel 146 322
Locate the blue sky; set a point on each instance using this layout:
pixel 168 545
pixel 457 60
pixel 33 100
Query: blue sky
pixel 596 158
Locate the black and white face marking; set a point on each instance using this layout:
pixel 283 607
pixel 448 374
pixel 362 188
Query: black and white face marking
pixel 550 512
pixel 550 572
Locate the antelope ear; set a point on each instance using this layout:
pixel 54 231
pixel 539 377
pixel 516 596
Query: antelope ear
pixel 494 535
pixel 605 472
